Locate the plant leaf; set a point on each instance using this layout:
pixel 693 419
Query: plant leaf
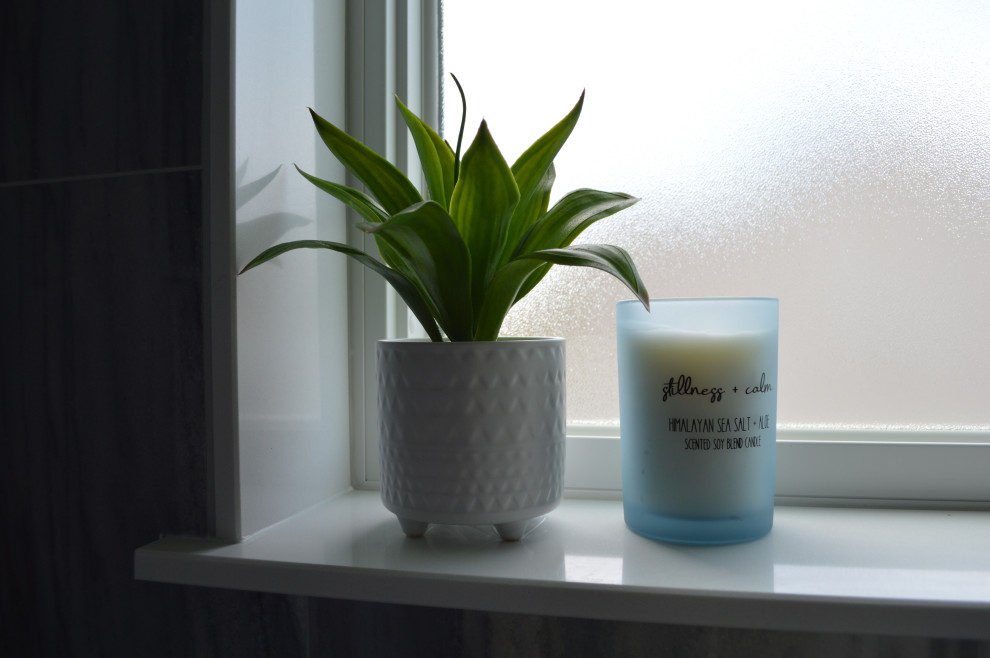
pixel 363 204
pixel 460 132
pixel 501 295
pixel 529 167
pixel 400 283
pixel 568 218
pixel 530 172
pixel 446 155
pixel 508 284
pixel 605 257
pixel 384 180
pixel 527 213
pixel 483 200
pixel 434 156
pixel 431 254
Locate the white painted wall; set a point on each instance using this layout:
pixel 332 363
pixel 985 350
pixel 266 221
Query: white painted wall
pixel 291 312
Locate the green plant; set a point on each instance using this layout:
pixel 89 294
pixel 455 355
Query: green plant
pixel 484 237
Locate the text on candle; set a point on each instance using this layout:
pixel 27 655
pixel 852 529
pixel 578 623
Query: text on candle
pixel 684 385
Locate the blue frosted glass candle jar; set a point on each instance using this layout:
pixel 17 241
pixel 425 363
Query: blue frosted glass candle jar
pixel 698 413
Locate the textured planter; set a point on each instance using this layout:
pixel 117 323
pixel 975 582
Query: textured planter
pixel 471 433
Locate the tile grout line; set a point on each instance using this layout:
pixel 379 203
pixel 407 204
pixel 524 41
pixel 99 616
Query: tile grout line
pixel 91 177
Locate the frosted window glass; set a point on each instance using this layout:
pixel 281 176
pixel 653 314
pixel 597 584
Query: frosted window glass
pixel 835 155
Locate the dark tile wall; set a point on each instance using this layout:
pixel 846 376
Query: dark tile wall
pixel 101 349
pixel 99 87
pixel 368 630
pixel 102 420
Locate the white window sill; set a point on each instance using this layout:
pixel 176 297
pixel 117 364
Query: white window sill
pixel 871 571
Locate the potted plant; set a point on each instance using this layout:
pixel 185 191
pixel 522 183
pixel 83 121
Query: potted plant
pixel 471 425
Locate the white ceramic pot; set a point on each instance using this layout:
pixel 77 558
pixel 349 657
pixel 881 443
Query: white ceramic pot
pixel 471 433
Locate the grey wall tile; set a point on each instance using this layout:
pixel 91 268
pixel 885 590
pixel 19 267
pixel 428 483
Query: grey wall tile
pixel 368 630
pixel 502 635
pixel 103 397
pixel 101 337
pixel 100 86
pixel 375 630
pixel 103 388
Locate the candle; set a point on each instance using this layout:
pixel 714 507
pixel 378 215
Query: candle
pixel 698 411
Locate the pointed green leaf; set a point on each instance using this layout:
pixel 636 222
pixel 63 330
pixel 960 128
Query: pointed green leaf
pixel 568 218
pixel 529 168
pixel 446 155
pixel 363 204
pixel 401 284
pixel 432 255
pixel 526 214
pixel 435 156
pixel 483 200
pixel 501 295
pixel 533 280
pixel 605 257
pixel 508 284
pixel 387 184
pixel 530 172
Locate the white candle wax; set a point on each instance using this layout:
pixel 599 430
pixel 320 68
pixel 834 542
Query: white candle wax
pixel 698 421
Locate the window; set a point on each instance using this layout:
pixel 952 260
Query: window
pixel 834 155
pixel 306 327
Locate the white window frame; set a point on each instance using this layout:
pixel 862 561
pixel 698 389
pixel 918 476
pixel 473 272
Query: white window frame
pixel 390 46
pixel 834 466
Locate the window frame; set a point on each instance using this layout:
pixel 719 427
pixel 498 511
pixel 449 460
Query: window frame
pixel 389 47
pixel 830 465
pixel 393 47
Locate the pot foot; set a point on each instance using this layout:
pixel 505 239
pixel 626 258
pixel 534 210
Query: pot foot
pixel 413 528
pixel 512 531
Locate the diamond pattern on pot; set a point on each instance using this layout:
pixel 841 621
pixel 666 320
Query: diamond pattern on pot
pixel 477 429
